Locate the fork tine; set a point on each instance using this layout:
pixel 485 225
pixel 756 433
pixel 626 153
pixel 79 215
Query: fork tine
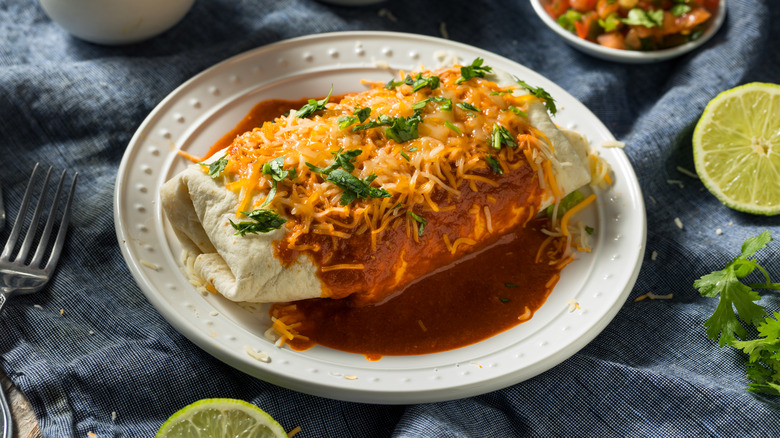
pixel 17 228
pixel 60 242
pixel 43 243
pixel 30 236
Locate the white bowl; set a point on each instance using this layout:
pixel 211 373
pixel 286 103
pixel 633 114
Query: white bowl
pixel 116 21
pixel 630 56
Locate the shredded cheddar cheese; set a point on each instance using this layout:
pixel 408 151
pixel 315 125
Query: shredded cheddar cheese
pixel 412 170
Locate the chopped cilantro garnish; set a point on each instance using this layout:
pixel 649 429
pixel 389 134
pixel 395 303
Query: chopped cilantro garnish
pixel 589 230
pixel 539 92
pixel 344 160
pixel 403 154
pixel 360 115
pixel 217 167
pixel 421 221
pixel 453 128
pixel 354 187
pixel 468 107
pixel 500 93
pixel 412 149
pixel 417 83
pixel 511 285
pixel 404 129
pixel 400 129
pixel 495 165
pixel 610 23
pixel 566 203
pixel 679 9
pixel 275 169
pixel 313 106
pixel 475 70
pixel 391 84
pixel 517 111
pixel 726 325
pixel 640 17
pixel 568 19
pixel 504 299
pixel 421 82
pixel 446 104
pixel 501 136
pixel 263 221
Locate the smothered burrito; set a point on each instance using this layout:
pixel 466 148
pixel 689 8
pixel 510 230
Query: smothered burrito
pixel 362 195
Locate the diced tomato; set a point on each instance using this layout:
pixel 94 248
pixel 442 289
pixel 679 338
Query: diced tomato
pixel 711 4
pixel 606 7
pixel 613 40
pixel 695 17
pixel 632 40
pixel 671 24
pixel 556 8
pixel 588 26
pixel 583 5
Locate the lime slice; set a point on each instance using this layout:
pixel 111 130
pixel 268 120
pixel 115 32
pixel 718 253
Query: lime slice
pixel 736 148
pixel 220 418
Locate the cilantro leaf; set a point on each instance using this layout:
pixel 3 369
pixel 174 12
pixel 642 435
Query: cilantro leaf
pixel 517 111
pixel 400 129
pixel 421 82
pixel 539 92
pixel 313 106
pixel 354 187
pixel 275 169
pixel 763 368
pixel 640 17
pixel 404 129
pixel 421 221
pixel 764 357
pixel 344 160
pixel 568 19
pixel 446 104
pixel 566 203
pixel 475 70
pixel 501 136
pixel 465 106
pixel 391 84
pixel 263 221
pixel 216 167
pixel 495 165
pixel 680 9
pixel 453 128
pixel 733 294
pixel 360 115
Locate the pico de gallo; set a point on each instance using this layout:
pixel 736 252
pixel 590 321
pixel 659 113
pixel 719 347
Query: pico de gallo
pixel 634 24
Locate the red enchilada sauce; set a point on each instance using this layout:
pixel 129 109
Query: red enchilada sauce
pixel 491 287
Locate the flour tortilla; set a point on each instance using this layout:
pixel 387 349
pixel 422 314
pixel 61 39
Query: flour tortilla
pixel 243 268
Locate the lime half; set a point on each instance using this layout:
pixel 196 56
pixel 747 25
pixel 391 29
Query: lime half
pixel 736 148
pixel 221 418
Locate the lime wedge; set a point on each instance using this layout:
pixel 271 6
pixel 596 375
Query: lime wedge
pixel 221 418
pixel 736 148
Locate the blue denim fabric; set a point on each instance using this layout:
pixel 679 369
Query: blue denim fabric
pixel 651 372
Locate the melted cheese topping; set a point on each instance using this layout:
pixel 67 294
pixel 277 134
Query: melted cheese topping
pixel 453 145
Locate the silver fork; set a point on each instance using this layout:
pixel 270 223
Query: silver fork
pixel 17 276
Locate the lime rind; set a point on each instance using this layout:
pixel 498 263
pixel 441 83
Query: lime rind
pixel 736 148
pixel 221 417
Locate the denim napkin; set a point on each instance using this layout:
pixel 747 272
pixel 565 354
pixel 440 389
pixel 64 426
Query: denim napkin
pixel 111 365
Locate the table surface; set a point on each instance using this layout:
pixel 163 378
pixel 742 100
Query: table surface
pixel 25 424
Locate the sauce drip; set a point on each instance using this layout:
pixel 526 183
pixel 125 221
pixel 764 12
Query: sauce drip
pixel 476 298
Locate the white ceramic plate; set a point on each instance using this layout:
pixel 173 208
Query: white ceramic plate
pixel 196 114
pixel 630 56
